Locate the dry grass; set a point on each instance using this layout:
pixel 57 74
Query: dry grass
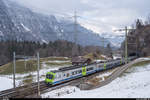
pixel 31 65
pixel 58 64
pixel 95 81
pixel 143 63
pixel 54 58
pixel 105 77
pixel 20 67
pixel 91 55
pixel 28 79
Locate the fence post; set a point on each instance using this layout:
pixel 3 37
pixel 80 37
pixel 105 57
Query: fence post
pixel 14 68
pixel 38 73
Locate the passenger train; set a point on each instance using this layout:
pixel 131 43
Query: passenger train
pixel 69 73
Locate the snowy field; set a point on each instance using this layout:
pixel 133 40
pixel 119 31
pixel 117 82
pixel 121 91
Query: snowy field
pixel 135 84
pixel 6 81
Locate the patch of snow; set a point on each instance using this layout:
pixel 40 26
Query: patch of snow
pixel 104 56
pixel 105 74
pixel 62 30
pixel 5 83
pixel 56 27
pixel 26 28
pixel 144 58
pixel 1 33
pixel 60 92
pixel 117 56
pixel 58 61
pixel 44 41
pixel 34 35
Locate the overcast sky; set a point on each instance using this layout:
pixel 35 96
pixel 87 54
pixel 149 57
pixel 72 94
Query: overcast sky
pixel 98 15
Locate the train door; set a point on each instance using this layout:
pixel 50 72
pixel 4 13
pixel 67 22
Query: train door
pixel 104 66
pixel 84 70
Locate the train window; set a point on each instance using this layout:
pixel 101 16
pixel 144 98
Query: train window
pixel 75 72
pixel 67 74
pixel 47 76
pixel 59 76
pixel 79 71
pixel 55 76
pixel 50 76
pixel 89 69
pixel 72 73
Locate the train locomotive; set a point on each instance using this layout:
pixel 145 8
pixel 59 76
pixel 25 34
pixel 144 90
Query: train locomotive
pixel 69 73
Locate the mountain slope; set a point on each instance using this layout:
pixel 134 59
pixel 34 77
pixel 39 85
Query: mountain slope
pixel 24 24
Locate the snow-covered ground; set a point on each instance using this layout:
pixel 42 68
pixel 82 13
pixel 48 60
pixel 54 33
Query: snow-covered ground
pixel 58 61
pixel 6 81
pixel 134 84
pixel 71 89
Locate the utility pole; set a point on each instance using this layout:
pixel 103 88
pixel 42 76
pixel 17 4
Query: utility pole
pixel 74 50
pixel 136 47
pixel 25 64
pixel 126 45
pixel 14 68
pixel 38 73
pixel 75 27
pixel 126 42
pixel 103 40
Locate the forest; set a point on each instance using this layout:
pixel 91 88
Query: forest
pixel 28 48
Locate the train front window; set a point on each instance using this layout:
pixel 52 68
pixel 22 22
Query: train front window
pixel 49 76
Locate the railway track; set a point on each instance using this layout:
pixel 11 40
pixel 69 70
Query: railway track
pixel 14 92
pixel 30 90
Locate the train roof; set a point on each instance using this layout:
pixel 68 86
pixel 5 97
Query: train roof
pixel 70 68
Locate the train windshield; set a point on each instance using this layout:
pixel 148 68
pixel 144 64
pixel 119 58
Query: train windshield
pixel 49 76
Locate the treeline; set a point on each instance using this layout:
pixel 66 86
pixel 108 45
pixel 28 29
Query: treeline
pixel 27 48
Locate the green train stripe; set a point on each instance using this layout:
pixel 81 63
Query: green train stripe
pixel 121 61
pixel 49 80
pixel 104 65
pixel 84 71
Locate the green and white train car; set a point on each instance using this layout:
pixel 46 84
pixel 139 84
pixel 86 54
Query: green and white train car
pixel 73 72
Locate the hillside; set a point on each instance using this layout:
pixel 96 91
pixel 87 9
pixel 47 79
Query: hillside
pixel 21 23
